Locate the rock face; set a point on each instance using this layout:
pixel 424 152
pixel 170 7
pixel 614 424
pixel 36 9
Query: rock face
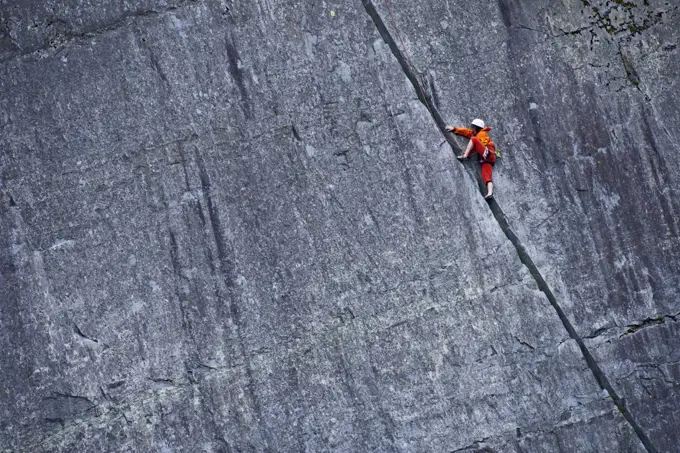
pixel 238 226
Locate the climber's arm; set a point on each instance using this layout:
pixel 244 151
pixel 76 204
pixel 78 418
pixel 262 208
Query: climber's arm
pixel 465 132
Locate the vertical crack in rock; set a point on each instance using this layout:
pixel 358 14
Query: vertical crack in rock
pixel 227 263
pixel 427 100
pixel 423 96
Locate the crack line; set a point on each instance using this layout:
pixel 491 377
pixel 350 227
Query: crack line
pixel 426 98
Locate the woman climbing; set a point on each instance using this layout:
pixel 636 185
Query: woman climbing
pixel 480 143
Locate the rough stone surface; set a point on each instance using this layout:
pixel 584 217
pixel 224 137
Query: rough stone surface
pixel 233 226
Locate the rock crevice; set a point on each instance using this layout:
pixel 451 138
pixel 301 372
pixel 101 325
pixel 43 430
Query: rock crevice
pixel 500 217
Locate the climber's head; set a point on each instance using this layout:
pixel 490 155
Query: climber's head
pixel 477 125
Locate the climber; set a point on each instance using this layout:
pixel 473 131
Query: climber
pixel 479 143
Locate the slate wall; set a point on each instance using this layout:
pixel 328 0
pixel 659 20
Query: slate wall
pixel 236 227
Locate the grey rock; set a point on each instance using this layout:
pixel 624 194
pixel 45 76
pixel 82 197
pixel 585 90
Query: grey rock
pixel 238 227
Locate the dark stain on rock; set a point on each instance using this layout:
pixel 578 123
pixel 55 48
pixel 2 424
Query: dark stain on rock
pixel 534 118
pixel 7 43
pixel 631 73
pixel 61 406
pixel 174 254
pixel 433 89
pixel 506 9
pixel 296 133
pixel 661 175
pixel 115 385
pixel 80 333
pixel 237 74
pixel 157 67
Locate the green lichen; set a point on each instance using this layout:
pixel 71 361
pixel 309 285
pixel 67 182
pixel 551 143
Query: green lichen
pixel 633 18
pixel 626 4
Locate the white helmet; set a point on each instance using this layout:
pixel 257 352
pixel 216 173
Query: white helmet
pixel 479 123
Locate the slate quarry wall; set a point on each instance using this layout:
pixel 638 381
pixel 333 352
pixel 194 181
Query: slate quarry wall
pixel 238 226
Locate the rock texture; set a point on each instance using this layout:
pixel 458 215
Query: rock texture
pixel 238 226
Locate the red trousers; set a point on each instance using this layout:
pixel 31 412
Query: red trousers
pixel 487 164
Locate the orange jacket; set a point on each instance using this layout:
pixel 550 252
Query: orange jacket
pixel 483 136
